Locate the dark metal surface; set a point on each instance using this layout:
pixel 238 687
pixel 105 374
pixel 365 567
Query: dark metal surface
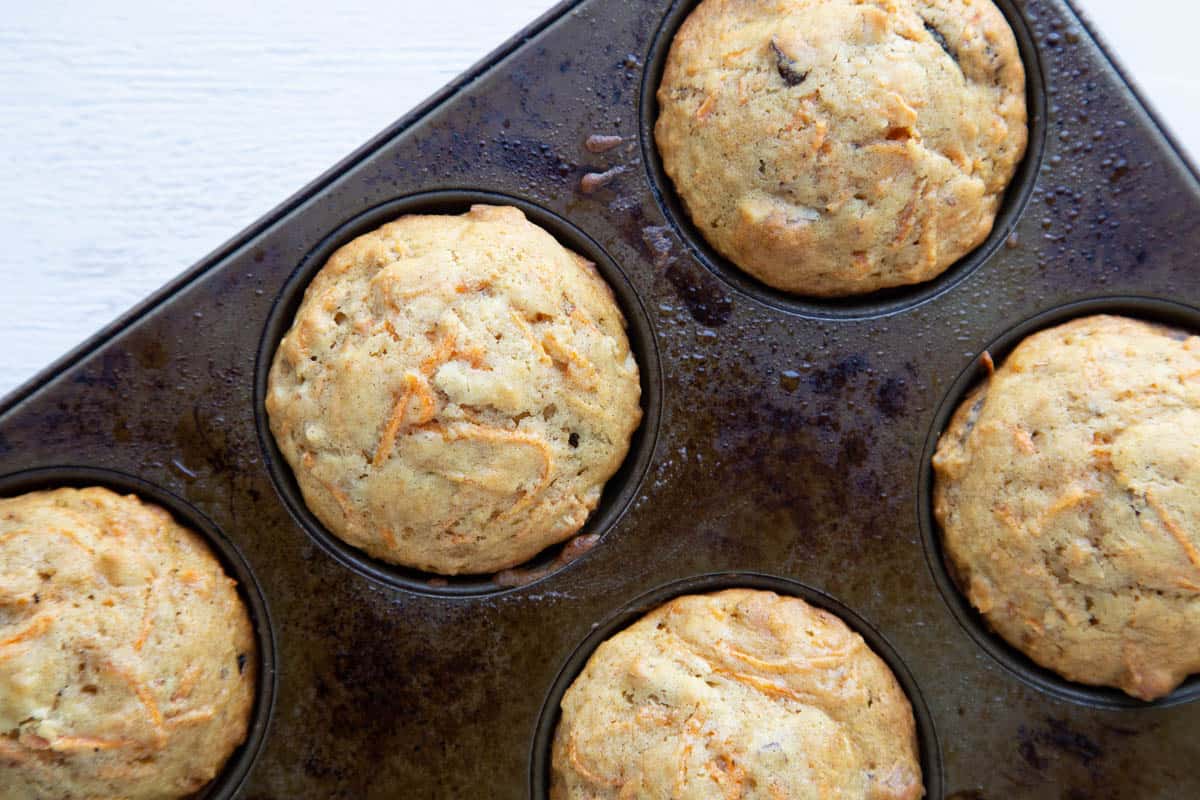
pixel 791 441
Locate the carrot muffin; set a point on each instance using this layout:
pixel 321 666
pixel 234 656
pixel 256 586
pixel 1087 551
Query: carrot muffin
pixel 740 693
pixel 127 660
pixel 835 147
pixel 1068 493
pixel 455 391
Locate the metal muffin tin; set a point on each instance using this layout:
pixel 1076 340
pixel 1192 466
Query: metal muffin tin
pixel 785 444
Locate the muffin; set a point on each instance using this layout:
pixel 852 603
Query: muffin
pixel 1067 487
pixel 833 147
pixel 740 693
pixel 455 391
pixel 127 660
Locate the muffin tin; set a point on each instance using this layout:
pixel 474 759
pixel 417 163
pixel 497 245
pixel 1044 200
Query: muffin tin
pixel 785 444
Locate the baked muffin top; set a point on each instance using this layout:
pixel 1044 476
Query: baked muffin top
pixel 1068 492
pixel 127 660
pixel 455 391
pixel 740 693
pixel 836 147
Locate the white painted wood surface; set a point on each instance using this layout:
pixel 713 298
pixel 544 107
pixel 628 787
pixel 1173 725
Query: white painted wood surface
pixel 137 136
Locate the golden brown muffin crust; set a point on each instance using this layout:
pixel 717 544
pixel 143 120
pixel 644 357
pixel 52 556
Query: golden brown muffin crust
pixel 1067 491
pixel 455 391
pixel 127 660
pixel 740 693
pixel 835 147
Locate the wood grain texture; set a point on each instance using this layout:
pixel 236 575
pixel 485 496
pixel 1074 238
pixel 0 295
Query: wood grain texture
pixel 138 136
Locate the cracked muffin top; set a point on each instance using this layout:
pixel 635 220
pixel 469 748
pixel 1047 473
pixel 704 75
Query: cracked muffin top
pixel 837 147
pixel 1068 492
pixel 740 693
pixel 455 391
pixel 127 660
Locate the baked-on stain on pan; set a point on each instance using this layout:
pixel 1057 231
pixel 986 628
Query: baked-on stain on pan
pixel 791 439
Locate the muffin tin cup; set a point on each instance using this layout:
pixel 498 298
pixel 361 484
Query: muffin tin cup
pixel 874 304
pixel 781 436
pixel 619 491
pixel 1149 309
pixel 229 780
pixel 631 612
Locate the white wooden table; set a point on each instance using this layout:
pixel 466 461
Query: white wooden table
pixel 135 136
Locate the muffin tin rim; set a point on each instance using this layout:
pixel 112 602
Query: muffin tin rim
pixel 1148 308
pixel 12 402
pixel 881 303
pixel 620 491
pixel 232 776
pixel 633 609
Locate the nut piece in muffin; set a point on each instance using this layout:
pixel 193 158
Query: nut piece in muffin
pixel 835 147
pixel 740 693
pixel 1067 487
pixel 455 391
pixel 127 659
